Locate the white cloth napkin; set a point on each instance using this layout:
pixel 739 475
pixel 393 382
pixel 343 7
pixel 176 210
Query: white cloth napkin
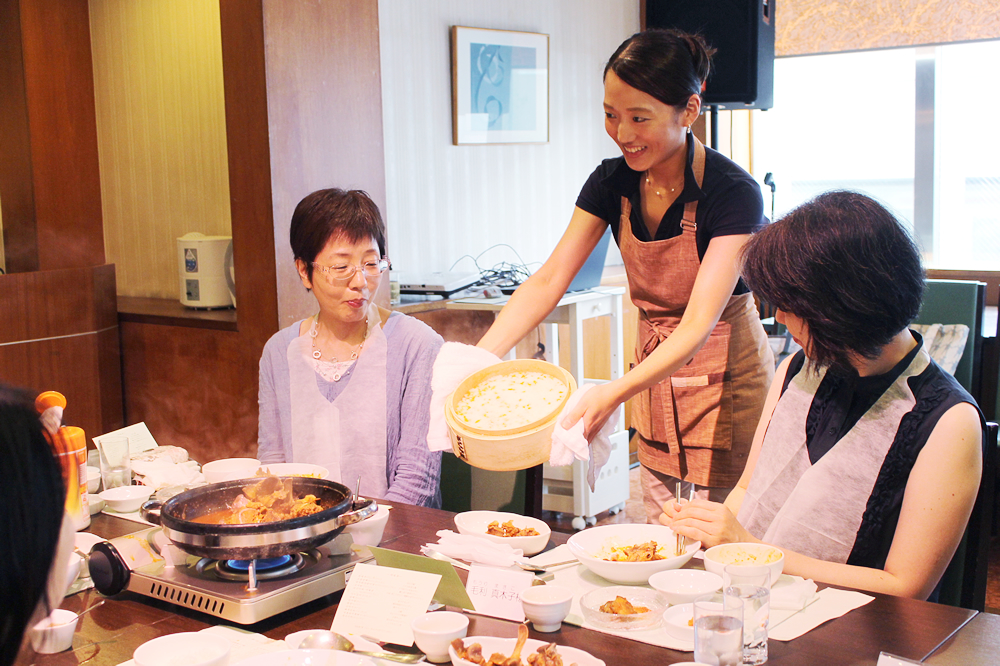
pixel 829 603
pixel 792 593
pixel 475 549
pixel 570 444
pixel 454 362
pixel 161 474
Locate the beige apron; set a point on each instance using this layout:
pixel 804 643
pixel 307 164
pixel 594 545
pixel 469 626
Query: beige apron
pixel 347 435
pixel 698 424
pixel 816 510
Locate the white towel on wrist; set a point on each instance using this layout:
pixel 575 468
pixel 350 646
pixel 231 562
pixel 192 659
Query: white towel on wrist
pixel 569 444
pixel 454 362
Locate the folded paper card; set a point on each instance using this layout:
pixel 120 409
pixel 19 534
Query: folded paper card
pixel 450 591
pixel 383 601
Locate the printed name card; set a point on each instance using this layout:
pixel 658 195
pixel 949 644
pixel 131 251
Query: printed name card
pixel 497 592
pixel 382 601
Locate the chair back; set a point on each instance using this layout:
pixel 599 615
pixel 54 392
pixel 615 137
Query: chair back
pixel 958 302
pixel 964 581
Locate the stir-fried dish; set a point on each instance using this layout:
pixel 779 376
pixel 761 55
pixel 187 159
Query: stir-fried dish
pixel 621 606
pixel 546 655
pixel 269 500
pixel 643 552
pixel 496 528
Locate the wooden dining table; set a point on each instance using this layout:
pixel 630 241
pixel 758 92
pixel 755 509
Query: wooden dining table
pixel 911 629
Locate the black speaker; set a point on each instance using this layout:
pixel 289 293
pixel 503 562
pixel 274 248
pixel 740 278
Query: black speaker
pixel 742 32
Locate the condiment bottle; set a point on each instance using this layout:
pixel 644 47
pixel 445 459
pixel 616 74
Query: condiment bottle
pixel 70 445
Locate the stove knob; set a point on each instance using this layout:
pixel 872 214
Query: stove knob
pixel 108 569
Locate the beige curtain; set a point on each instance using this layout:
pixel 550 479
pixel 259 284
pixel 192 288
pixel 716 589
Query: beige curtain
pixel 807 27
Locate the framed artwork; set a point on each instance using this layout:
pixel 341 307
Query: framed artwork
pixel 499 86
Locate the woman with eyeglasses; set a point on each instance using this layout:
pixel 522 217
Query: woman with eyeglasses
pixel 349 388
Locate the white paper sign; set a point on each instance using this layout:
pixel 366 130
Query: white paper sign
pixel 382 601
pixel 886 659
pixel 497 592
pixel 139 438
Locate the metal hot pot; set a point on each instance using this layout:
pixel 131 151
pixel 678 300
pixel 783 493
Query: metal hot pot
pixel 258 540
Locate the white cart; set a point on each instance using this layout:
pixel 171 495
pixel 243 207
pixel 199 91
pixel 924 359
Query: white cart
pixel 565 488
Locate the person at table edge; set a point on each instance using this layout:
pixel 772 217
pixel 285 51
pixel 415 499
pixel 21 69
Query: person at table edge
pixel 680 213
pixel 867 460
pixel 349 388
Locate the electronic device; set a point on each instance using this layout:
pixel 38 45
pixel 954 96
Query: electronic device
pixel 589 275
pixel 742 32
pixel 441 283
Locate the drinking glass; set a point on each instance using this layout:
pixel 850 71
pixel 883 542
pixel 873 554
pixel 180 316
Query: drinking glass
pixel 116 466
pixel 752 585
pixel 718 630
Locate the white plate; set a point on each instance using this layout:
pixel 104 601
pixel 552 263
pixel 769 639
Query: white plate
pixel 675 621
pixel 586 546
pixel 475 522
pixel 84 541
pixel 492 644
pixel 307 658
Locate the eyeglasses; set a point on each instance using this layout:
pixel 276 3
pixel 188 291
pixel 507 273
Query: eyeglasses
pixel 343 273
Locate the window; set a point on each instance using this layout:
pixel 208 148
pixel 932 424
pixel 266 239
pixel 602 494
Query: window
pixel 913 128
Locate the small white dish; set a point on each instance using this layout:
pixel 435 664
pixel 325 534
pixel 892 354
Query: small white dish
pixel 476 522
pixel 95 503
pixel 683 586
pixel 307 658
pixel 589 545
pixel 294 639
pixel 93 479
pixel 434 632
pixel 546 606
pixel 368 532
pixel 84 541
pixel 230 469
pixel 492 644
pixel 191 648
pixel 126 499
pixel 294 469
pixel 679 622
pixel 54 633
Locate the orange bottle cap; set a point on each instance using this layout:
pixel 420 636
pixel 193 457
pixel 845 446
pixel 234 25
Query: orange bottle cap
pixel 49 399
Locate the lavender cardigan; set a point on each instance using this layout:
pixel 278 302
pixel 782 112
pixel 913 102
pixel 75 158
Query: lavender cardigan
pixel 412 472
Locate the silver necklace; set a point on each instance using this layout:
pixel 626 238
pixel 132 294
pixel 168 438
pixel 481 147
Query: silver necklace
pixel 318 354
pixel 657 192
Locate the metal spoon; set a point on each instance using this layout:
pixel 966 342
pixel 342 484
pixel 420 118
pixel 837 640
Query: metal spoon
pixel 92 607
pixel 543 568
pixel 330 640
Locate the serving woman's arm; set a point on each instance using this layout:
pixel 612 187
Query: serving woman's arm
pixel 937 502
pixel 538 296
pixel 713 287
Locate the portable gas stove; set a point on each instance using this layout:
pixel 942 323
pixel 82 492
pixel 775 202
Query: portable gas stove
pixel 241 591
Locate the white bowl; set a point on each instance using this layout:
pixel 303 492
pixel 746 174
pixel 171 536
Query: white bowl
pixel 191 648
pixel 676 621
pixel 126 499
pixel 492 644
pixel 95 503
pixel 546 606
pixel 591 603
pixel 294 469
pixel 368 532
pixel 746 554
pixel 93 479
pixel 475 522
pixel 683 586
pixel 587 546
pixel 434 632
pixel 54 633
pixel 230 469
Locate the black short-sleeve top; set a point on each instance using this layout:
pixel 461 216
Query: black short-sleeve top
pixel 729 200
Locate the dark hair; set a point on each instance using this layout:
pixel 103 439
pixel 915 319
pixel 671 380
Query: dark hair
pixel 33 497
pixel 669 65
pixel 845 266
pixel 327 213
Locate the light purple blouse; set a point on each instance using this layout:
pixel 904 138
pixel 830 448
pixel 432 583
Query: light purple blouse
pixel 412 471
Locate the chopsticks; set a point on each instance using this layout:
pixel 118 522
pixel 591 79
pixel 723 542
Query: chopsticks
pixel 679 547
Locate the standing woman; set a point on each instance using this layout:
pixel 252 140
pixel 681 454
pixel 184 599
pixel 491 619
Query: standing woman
pixel 680 214
pixel 349 387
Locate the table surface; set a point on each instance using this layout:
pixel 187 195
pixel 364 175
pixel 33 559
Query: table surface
pixel 904 627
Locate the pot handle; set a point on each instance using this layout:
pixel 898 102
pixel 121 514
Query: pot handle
pixel 150 511
pixel 366 508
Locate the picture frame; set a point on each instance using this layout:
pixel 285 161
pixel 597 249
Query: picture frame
pixel 499 86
